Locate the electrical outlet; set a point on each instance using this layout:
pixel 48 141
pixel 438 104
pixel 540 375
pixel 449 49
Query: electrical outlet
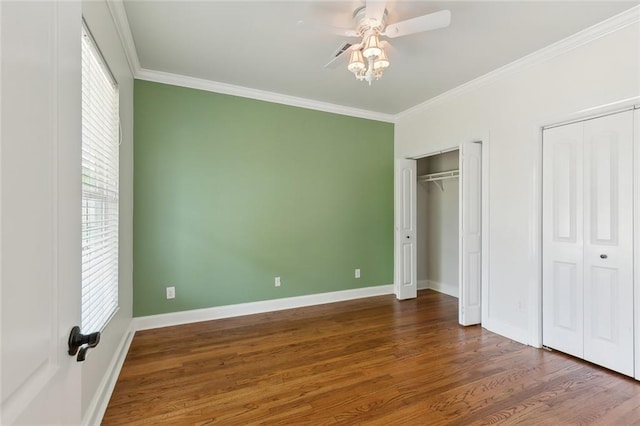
pixel 277 281
pixel 358 273
pixel 171 292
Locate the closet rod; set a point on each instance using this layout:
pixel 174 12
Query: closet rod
pixel 432 177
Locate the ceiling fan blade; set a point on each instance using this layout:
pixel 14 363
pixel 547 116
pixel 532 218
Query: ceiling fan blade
pixel 374 11
pixel 429 22
pixel 328 29
pixel 341 53
pixel 333 63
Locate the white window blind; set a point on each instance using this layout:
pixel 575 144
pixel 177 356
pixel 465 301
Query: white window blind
pixel 100 161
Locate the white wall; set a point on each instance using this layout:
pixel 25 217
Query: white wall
pixel 509 110
pixel 96 380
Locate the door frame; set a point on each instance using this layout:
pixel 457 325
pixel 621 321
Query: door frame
pixel 535 219
pixel 484 140
pixel 636 236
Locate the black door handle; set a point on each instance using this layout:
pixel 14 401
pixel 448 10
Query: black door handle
pixel 79 343
pixel 603 256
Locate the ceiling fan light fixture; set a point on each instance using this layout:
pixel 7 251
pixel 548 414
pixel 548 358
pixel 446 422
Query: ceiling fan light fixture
pixel 372 47
pixel 376 59
pixel 382 61
pixel 368 60
pixel 356 62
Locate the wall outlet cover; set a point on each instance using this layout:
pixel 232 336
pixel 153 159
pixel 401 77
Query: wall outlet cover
pixel 171 292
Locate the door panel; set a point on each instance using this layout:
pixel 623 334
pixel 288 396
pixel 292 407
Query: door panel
pixel 406 276
pixel 40 214
pixel 604 196
pixel 470 234
pixel 565 307
pixel 605 288
pixel 608 254
pixel 472 294
pixel 562 240
pixel 564 189
pixel 406 264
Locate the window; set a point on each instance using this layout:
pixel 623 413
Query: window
pixel 100 158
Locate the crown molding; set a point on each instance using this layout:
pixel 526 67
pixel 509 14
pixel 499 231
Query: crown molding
pixel 262 95
pixel 120 20
pixel 601 29
pixel 119 15
pixel 611 25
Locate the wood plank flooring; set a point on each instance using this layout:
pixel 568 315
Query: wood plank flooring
pixel 374 361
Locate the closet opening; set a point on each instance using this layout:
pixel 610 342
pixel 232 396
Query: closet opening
pixel 437 230
pixel 440 221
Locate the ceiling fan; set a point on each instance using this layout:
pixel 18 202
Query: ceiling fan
pixel 368 59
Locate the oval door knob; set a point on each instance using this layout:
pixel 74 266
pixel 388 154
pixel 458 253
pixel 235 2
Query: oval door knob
pixel 603 256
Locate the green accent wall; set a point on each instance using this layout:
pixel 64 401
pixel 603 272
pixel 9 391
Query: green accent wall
pixel 231 192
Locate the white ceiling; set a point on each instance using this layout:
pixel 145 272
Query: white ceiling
pixel 258 44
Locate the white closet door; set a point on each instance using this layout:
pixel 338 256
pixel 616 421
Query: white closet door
pixel 562 239
pixel 470 216
pixel 608 253
pixel 406 275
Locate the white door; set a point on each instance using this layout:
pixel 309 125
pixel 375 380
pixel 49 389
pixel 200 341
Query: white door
pixel 588 240
pixel 406 285
pixel 608 242
pixel 40 134
pixel 470 216
pixel 562 239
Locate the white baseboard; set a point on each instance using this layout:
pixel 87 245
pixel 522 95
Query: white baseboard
pixel 100 401
pixel 423 284
pixel 450 289
pixel 228 311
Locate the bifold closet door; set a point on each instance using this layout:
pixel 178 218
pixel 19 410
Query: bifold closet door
pixel 562 239
pixel 470 234
pixel 608 237
pixel 406 224
pixel 588 240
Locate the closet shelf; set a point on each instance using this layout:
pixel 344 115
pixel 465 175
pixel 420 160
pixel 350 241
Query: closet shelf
pixel 437 177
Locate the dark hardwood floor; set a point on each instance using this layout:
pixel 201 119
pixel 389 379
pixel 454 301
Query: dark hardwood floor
pixel 368 361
